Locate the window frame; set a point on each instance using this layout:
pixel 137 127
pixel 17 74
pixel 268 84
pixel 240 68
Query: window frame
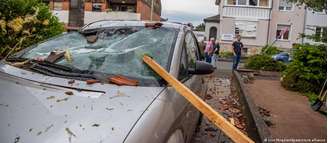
pixel 289 34
pixel 184 48
pixel 248 4
pixel 284 9
pixel 321 34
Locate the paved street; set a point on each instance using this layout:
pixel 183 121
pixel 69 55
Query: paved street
pixel 219 87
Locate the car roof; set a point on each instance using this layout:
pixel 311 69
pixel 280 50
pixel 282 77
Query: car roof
pixel 110 23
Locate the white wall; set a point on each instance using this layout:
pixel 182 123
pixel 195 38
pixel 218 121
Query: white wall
pixel 62 15
pixel 312 20
pixel 208 25
pixel 96 16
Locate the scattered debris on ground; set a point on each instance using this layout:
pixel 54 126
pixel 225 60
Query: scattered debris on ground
pixel 223 98
pixel 266 116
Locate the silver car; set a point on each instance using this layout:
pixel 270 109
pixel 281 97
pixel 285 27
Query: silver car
pixel 50 101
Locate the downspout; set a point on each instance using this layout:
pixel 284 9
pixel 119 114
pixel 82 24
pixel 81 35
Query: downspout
pixel 304 25
pixel 269 24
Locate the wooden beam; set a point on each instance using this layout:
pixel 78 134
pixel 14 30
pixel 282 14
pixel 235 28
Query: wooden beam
pixel 230 130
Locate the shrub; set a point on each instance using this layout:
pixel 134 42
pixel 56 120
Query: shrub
pixel 270 50
pixel 264 62
pixel 25 22
pixel 226 54
pixel 308 70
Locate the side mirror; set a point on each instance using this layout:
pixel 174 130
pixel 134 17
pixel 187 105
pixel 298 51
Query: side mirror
pixel 201 68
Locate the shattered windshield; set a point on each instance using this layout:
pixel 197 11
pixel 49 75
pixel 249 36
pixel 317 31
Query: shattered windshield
pixel 116 51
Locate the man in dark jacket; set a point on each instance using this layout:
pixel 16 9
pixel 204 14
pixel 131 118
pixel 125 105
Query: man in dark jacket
pixel 237 46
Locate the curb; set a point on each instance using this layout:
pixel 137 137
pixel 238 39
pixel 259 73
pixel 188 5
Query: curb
pixel 257 128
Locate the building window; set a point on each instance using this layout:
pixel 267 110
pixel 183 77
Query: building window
pixel 249 2
pixel 96 7
pixel 242 2
pixel 283 32
pixel 253 2
pixel 58 5
pixel 232 2
pixel 246 28
pixel 264 3
pixel 320 34
pixel 285 5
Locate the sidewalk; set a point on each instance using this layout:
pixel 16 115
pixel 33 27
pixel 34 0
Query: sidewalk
pixel 287 113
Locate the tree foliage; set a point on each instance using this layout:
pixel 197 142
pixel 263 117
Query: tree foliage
pixel 317 5
pixel 25 22
pixel 200 27
pixel 308 70
pixel 270 50
pixel 264 62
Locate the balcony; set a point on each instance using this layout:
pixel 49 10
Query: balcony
pixel 246 12
pixel 90 16
pixel 96 16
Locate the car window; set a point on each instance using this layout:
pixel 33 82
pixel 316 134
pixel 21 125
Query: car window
pixel 191 46
pixel 117 50
pixel 183 68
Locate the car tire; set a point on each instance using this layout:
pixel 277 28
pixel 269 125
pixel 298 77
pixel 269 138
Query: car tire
pixel 176 137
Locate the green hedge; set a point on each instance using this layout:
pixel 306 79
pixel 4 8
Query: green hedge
pixel 25 22
pixel 270 50
pixel 264 62
pixel 226 54
pixel 308 70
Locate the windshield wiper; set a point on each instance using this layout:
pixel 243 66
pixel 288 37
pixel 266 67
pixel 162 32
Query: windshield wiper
pixel 56 70
pixel 52 69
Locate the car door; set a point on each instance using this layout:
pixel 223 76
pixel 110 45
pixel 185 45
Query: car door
pixel 189 56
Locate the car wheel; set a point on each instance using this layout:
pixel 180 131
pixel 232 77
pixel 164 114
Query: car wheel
pixel 176 137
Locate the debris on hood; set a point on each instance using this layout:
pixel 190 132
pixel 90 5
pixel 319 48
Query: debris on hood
pixel 68 56
pixel 17 139
pixel 50 97
pixel 95 125
pixel 20 64
pixel 92 81
pixel 60 100
pixel 69 93
pixel 71 81
pixel 70 134
pixel 121 80
pixel 109 109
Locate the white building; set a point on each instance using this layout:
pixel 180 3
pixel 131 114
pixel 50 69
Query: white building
pixel 262 22
pixel 315 23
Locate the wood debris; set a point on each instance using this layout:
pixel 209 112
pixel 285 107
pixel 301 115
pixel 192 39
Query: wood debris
pixel 92 81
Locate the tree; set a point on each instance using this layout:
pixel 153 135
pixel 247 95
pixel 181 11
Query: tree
pixel 317 5
pixel 200 27
pixel 25 22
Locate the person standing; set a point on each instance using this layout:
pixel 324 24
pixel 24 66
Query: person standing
pixel 237 46
pixel 209 49
pixel 216 53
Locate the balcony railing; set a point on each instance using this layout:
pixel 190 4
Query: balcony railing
pixel 246 12
pixel 96 16
pixel 90 16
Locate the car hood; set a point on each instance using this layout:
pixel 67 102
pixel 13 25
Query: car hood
pixel 44 112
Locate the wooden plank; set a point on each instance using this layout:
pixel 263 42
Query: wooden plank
pixel 230 130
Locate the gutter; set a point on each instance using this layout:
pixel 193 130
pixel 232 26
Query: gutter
pixel 269 24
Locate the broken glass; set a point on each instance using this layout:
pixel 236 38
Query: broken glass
pixel 116 51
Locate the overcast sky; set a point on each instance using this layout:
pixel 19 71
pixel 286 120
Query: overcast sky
pixel 185 11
